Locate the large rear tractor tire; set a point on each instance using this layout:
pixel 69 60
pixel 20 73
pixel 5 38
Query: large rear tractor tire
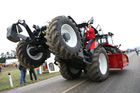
pixel 26 58
pixel 99 69
pixel 63 38
pixel 69 72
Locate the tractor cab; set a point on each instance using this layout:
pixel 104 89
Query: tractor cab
pixel 105 38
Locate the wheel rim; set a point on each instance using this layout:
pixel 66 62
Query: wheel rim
pixel 103 63
pixel 67 29
pixel 36 57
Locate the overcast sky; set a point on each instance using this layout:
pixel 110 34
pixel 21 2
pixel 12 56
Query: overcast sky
pixel 121 17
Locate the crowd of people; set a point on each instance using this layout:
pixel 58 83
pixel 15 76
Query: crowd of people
pixel 23 72
pixel 1 67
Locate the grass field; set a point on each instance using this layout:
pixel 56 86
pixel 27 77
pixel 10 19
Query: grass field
pixel 15 73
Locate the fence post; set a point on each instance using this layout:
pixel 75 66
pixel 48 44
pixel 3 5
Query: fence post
pixel 27 71
pixel 10 79
pixel 40 70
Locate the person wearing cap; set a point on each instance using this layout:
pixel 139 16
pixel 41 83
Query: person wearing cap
pixel 90 36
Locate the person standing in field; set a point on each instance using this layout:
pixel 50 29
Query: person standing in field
pixel 31 71
pixel 23 74
pixel 137 52
pixel 37 69
pixel 0 68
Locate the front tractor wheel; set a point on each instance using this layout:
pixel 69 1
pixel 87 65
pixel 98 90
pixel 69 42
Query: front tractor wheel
pixel 63 38
pixel 99 69
pixel 69 72
pixel 28 58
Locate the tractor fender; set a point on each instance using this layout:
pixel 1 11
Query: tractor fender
pixel 115 48
pixel 108 45
pixel 72 19
pixel 96 45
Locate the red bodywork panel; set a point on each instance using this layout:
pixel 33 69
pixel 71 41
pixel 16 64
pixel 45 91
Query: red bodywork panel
pixel 118 61
pixel 93 44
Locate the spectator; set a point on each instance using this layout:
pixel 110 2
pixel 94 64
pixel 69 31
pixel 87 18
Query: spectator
pixel 16 65
pixel 137 52
pixel 0 68
pixel 31 71
pixel 23 73
pixel 37 69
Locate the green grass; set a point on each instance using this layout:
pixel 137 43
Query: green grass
pixel 15 73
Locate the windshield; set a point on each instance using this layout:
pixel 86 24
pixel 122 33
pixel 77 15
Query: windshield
pixel 110 41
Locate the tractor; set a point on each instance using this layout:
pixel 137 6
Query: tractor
pixel 65 39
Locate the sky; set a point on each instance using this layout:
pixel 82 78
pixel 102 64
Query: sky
pixel 121 17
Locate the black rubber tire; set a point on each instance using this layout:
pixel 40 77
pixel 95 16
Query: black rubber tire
pixel 56 42
pixel 25 59
pixel 66 72
pixel 93 69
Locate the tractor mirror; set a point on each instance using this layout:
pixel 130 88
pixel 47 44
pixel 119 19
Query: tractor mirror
pixel 119 45
pixel 100 29
pixel 110 34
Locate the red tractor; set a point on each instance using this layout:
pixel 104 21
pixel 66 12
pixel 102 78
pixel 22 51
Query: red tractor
pixel 65 39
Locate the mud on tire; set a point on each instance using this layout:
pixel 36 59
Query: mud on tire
pixel 26 59
pixel 63 37
pixel 69 72
pixel 99 69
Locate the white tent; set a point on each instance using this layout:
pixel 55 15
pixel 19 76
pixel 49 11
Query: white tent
pixel 10 61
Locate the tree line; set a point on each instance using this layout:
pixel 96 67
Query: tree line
pixel 7 55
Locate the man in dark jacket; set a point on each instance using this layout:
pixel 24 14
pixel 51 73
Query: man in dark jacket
pixel 23 73
pixel 32 72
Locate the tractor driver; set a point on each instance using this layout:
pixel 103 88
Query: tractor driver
pixel 90 36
